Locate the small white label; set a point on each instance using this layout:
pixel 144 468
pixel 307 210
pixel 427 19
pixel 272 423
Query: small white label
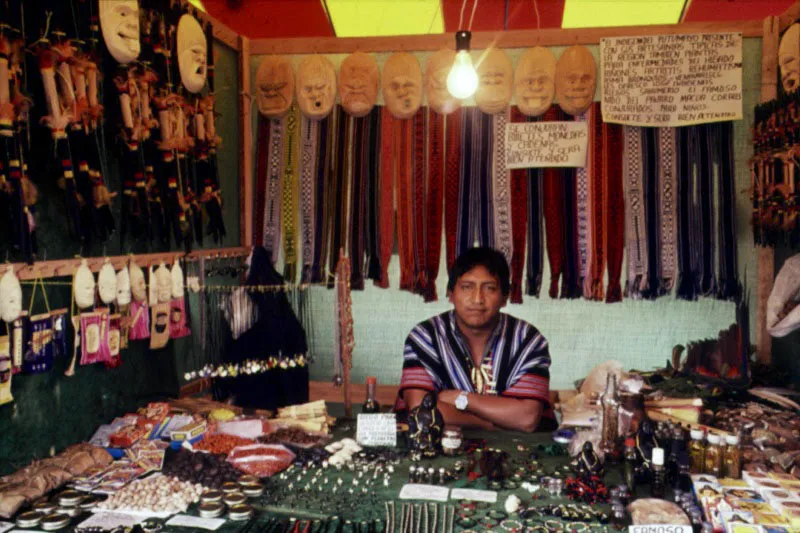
pixel 415 491
pixel 475 495
pixel 659 528
pixel 5 526
pixel 193 521
pixel 378 429
pixel 451 443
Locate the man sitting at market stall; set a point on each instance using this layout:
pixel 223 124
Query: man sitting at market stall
pixel 489 369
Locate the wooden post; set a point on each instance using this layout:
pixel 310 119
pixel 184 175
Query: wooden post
pixel 245 147
pixel 766 255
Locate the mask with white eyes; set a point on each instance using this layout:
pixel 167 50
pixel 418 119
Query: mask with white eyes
pixel 119 23
pixel 192 52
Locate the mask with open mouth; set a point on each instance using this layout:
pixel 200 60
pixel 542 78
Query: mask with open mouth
pixel 534 81
pixel 495 76
pixel 316 86
pixel 119 23
pixel 192 51
pixel 402 85
pixel 274 86
pixel 358 84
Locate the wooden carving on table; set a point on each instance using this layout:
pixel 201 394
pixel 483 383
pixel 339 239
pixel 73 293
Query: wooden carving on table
pixel 345 324
pixel 534 81
pixel 316 86
pixel 274 86
pixel 425 427
pixel 402 85
pixel 358 84
pixel 436 70
pixel 576 79
pixel 495 81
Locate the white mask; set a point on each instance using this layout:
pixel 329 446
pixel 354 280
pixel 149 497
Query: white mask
pixel 192 52
pixel 10 296
pixel 123 287
pixel 152 288
pixel 83 285
pixel 138 285
pixel 164 284
pixel 177 280
pixel 119 21
pixel 107 283
pixel 789 58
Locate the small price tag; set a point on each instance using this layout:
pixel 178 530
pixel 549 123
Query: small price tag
pixel 659 528
pixel 417 491
pixel 183 520
pixel 488 496
pixel 379 429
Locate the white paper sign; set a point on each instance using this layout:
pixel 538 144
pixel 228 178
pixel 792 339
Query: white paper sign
pixel 659 528
pixel 671 80
pixel 110 520
pixel 475 495
pixel 418 491
pixel 184 520
pixel 5 526
pixel 378 429
pixel 546 144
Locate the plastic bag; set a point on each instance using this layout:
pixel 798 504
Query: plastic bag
pixel 262 460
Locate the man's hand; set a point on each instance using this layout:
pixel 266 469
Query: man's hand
pixel 452 416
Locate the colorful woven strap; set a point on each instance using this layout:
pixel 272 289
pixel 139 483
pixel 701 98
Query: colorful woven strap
pixel 553 192
pixel 403 134
pixel 320 198
pixel 583 211
pixel 501 188
pixel 686 218
pixel 418 220
pixel 291 155
pixel 358 202
pixel 338 192
pixel 372 164
pixel 570 285
pixel 309 148
pixel 705 250
pixel 635 235
pixel 729 286
pixel 593 284
pixel 668 214
pixel 272 202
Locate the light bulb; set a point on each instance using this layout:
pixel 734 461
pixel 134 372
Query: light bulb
pixel 462 82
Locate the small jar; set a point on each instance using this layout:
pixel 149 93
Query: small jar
pixel 452 441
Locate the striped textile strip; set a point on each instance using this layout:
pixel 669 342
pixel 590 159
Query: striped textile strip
pixel 553 199
pixel 652 193
pixel 729 286
pixel 272 204
pixel 418 220
pixel 329 197
pixel 668 220
pixel 465 230
pixel 452 179
pixel 358 202
pixel 614 237
pixel 339 192
pixel 501 187
pixel 705 245
pixel 320 198
pixel 583 210
pixel 593 284
pixel 372 169
pixel 386 193
pixel 570 285
pixel 635 235
pixel 686 275
pixel 433 202
pixel 403 140
pixel 291 157
pixel 483 199
pixel 262 153
pixel 519 219
pixel 309 159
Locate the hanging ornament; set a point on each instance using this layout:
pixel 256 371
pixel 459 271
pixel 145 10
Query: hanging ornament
pixel 534 81
pixel 83 286
pixel 123 287
pixel 274 86
pixel 107 283
pixel 402 85
pixel 192 52
pixel 119 22
pixel 163 284
pixel 358 84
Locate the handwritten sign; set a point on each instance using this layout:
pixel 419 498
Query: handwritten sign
pixel 488 496
pixel 671 80
pixel 546 144
pixel 659 528
pixel 416 491
pixel 379 429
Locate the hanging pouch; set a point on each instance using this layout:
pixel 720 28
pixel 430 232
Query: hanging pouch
pixel 114 341
pixel 177 319
pixel 94 337
pixel 159 331
pixel 139 320
pixel 38 354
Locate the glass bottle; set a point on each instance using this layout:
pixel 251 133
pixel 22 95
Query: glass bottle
pixel 610 405
pixel 732 462
pixel 658 486
pixel 630 464
pixel 697 450
pixel 712 463
pixel 371 404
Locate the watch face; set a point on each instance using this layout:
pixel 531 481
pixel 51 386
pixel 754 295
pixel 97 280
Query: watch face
pixel 461 401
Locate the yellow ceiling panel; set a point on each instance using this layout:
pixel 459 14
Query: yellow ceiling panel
pixel 597 13
pixel 198 4
pixel 365 18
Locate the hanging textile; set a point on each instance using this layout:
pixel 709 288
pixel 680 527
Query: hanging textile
pixel 418 215
pixel 635 235
pixel 433 200
pixel 366 138
pixel 688 216
pixel 386 194
pixel 309 145
pixel 372 162
pixel 570 284
pixel 614 238
pixel 270 175
pixel 452 180
pixel 668 215
pixel 651 193
pixel 598 206
pixel 289 190
pixel 583 209
pixel 339 189
pixel 729 287
pixel 321 205
pixel 501 188
pixel 475 216
pixel 403 136
pixel 519 218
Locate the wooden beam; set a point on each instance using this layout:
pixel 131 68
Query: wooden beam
pixel 222 32
pixel 788 17
pixel 766 256
pixel 245 146
pixel 483 40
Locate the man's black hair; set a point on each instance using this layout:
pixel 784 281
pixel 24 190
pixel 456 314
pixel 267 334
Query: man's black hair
pixel 489 258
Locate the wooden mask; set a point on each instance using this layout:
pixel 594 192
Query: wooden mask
pixel 789 58
pixel 402 85
pixel 274 86
pixel 534 81
pixel 192 52
pixel 436 70
pixel 119 22
pixel 495 80
pixel 358 83
pixel 316 86
pixel 576 79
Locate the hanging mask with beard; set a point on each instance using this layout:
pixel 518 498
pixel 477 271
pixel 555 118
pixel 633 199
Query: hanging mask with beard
pixel 123 287
pixel 316 86
pixel 576 79
pixel 402 85
pixel 274 86
pixel 83 286
pixel 495 79
pixel 176 275
pixel 163 284
pixel 138 284
pixel 534 81
pixel 436 70
pixel 10 296
pixel 789 58
pixel 119 22
pixel 192 52
pixel 358 84
pixel 107 283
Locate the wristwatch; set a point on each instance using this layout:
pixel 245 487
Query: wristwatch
pixel 462 400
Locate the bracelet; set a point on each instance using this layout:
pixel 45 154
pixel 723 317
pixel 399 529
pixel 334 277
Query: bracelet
pixel 497 514
pixel 554 526
pixel 466 522
pixel 511 525
pixel 577 527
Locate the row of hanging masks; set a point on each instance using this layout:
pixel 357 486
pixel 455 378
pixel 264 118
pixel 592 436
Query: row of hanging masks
pixel 535 83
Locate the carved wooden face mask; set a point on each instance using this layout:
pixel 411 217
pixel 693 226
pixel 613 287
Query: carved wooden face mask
pixel 436 70
pixel 176 276
pixel 107 283
pixel 316 86
pixel 138 284
pixel 192 51
pixel 534 81
pixel 789 58
pixel 10 296
pixel 123 287
pixel 164 284
pixel 358 83
pixel 274 86
pixel 119 22
pixel 402 85
pixel 83 286
pixel 495 78
pixel 576 79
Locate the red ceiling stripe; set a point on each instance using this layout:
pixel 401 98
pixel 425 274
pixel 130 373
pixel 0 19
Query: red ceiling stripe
pixel 490 14
pixel 270 19
pixel 724 10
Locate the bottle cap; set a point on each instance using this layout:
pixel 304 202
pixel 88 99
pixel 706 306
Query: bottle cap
pixel 658 456
pixel 697 434
pixel 732 440
pixel 371 380
pixel 713 439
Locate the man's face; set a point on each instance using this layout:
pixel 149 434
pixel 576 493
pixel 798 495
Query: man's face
pixel 477 298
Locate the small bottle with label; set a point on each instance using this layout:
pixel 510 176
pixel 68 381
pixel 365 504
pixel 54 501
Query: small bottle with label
pixel 712 463
pixel 371 404
pixel 732 462
pixel 658 486
pixel 697 449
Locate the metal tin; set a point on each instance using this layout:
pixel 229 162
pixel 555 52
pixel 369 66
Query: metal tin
pixel 233 499
pixel 253 490
pixel 70 498
pixel 240 512
pixel 211 496
pixel 69 511
pixel 211 509
pixel 30 519
pixel 54 521
pixel 89 502
pixel 230 486
pixel 247 479
pixel 45 507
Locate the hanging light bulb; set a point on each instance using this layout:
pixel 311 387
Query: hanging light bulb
pixel 462 81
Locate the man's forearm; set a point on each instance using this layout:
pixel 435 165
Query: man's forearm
pixel 454 417
pixel 508 413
